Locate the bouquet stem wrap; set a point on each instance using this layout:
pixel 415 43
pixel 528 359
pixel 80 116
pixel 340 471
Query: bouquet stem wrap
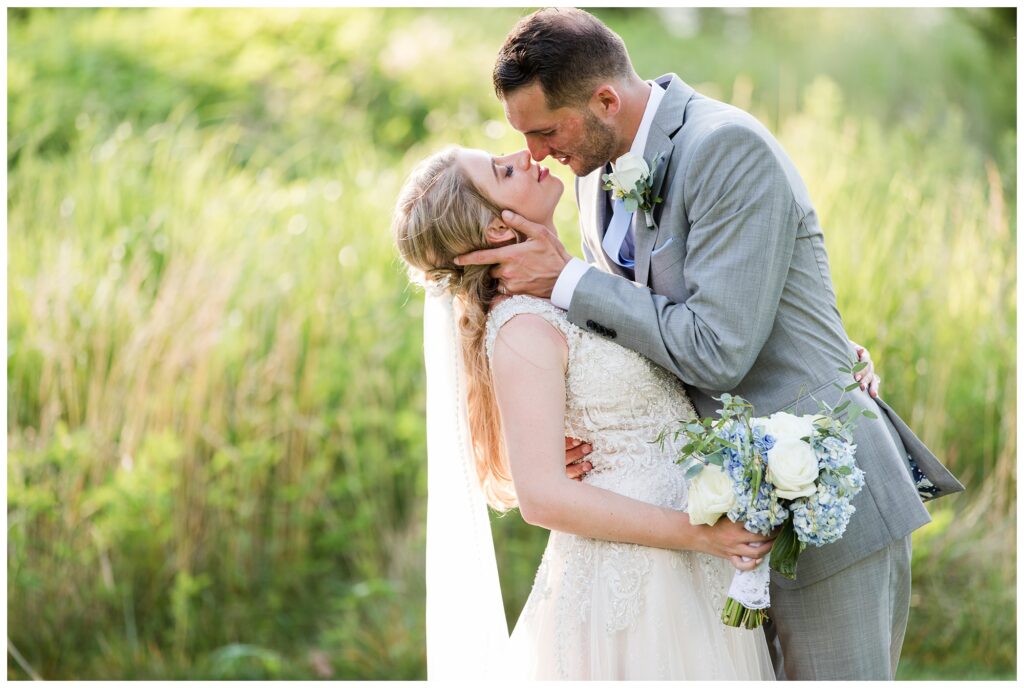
pixel 748 597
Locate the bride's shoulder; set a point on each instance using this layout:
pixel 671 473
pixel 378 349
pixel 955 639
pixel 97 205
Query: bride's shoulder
pixel 548 320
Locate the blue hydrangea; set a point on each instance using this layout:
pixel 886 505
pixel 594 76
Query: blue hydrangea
pixel 821 518
pixel 763 441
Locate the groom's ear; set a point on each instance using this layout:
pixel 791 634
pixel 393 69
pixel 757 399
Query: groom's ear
pixel 499 233
pixel 606 99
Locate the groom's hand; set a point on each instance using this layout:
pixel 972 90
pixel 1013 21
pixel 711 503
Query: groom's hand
pixel 575 450
pixel 733 542
pixel 529 267
pixel 869 380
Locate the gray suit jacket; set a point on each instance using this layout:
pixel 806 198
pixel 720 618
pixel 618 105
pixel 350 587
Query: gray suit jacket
pixel 733 293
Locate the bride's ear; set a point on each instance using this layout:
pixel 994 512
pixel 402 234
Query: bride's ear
pixel 499 233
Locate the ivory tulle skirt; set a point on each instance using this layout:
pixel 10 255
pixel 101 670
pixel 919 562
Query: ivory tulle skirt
pixel 605 610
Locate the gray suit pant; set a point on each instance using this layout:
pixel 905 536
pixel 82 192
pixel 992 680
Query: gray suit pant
pixel 847 626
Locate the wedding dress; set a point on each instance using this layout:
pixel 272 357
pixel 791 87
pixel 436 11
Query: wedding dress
pixel 607 610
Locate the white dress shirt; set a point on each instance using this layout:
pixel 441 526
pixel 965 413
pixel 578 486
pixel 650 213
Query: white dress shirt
pixel 572 273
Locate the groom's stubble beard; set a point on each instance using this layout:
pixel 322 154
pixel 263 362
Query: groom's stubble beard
pixel 597 147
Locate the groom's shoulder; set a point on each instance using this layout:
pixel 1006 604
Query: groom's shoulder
pixel 713 130
pixel 707 117
pixel 714 133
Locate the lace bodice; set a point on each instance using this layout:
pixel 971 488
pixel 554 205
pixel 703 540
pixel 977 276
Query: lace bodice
pixel 619 402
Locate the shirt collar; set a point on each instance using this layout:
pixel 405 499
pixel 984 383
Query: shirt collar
pixel 640 140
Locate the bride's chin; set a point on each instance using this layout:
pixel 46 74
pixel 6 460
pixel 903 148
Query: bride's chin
pixel 558 196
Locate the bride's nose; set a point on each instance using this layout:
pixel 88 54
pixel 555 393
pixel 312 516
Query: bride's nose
pixel 524 159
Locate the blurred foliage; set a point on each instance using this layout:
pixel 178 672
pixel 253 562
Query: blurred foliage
pixel 215 384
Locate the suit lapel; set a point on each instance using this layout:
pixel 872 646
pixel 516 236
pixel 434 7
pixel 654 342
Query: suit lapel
pixel 667 121
pixel 593 188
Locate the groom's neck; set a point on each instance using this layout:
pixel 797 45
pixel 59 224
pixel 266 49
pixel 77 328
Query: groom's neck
pixel 634 102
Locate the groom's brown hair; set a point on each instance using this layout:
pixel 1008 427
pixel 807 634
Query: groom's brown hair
pixel 568 50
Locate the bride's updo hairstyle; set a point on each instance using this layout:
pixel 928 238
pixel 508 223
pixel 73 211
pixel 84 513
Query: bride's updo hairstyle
pixel 440 214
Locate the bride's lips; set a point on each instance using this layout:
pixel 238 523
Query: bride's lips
pixel 542 174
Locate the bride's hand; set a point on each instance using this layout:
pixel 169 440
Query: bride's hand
pixel 745 563
pixel 732 541
pixel 868 379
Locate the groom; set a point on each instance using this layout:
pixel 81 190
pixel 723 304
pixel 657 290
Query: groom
pixel 725 282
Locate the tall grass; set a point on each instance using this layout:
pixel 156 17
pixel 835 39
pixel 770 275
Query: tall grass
pixel 201 384
pixel 215 396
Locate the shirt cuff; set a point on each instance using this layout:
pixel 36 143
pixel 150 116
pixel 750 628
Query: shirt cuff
pixel 565 286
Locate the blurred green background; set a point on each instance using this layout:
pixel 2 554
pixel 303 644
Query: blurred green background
pixel 215 385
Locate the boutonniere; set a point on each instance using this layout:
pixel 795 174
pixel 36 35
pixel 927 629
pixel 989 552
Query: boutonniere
pixel 631 181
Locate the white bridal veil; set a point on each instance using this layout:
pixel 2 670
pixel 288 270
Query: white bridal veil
pixel 467 636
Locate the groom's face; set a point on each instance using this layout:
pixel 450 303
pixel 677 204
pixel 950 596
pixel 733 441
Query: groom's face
pixel 573 136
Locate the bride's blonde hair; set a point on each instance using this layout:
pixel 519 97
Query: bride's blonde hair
pixel 440 214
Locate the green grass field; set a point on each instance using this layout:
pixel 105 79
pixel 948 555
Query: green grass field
pixel 216 451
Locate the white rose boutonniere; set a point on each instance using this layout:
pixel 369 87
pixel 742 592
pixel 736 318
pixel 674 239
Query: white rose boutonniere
pixel 631 181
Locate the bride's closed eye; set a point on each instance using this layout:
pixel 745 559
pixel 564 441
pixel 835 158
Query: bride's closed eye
pixel 508 170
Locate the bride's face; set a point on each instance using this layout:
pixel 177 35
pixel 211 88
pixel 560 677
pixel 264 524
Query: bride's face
pixel 514 182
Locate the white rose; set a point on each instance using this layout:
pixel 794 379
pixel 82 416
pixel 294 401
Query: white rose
pixel 787 426
pixel 628 170
pixel 710 496
pixel 792 467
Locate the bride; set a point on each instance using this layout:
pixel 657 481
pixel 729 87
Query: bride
pixel 627 588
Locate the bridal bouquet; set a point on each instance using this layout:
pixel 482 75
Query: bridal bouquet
pixel 797 472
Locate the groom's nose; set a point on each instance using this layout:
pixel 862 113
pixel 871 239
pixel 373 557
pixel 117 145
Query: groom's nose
pixel 538 150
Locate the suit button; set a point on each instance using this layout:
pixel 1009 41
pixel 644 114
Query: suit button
pixel 591 324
